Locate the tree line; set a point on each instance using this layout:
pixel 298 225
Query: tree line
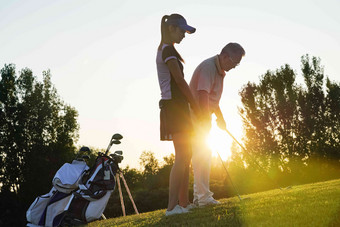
pixel 38 132
pixel 291 134
pixel 289 126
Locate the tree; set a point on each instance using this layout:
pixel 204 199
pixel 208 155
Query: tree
pixel 169 160
pixel 38 132
pixel 133 177
pixel 286 125
pixel 312 108
pixel 8 126
pixel 269 116
pixel 149 162
pixel 333 124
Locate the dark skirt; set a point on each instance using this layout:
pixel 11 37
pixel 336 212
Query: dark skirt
pixel 174 118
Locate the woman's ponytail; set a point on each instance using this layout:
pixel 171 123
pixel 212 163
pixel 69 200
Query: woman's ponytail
pixel 163 30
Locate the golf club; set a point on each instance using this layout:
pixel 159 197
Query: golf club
pixel 83 157
pixel 117 156
pixel 238 194
pixel 114 140
pixel 117 136
pixel 260 167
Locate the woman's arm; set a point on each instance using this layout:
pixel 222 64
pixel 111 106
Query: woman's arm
pixel 182 84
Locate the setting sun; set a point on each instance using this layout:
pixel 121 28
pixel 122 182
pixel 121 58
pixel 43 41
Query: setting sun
pixel 219 142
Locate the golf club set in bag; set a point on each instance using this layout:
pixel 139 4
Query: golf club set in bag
pixel 79 194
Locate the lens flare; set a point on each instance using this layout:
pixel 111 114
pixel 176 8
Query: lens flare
pixel 219 142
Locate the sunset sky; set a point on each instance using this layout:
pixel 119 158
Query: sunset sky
pixel 102 55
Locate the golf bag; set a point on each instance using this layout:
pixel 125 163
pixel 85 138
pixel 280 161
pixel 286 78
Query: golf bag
pixel 89 201
pixel 48 209
pixel 79 194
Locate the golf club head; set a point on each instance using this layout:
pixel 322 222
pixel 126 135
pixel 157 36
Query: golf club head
pixel 117 158
pixel 244 198
pixel 114 140
pixel 117 136
pixel 286 188
pixel 119 152
pixel 85 157
pixel 84 149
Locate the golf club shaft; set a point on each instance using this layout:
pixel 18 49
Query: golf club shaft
pixel 244 149
pixel 109 147
pixel 260 167
pixel 235 139
pixel 238 194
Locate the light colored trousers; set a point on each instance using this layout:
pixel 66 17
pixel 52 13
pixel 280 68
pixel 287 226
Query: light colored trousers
pixel 201 163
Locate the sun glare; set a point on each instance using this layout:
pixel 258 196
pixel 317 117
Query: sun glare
pixel 219 142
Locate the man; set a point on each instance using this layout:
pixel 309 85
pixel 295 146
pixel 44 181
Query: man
pixel 207 85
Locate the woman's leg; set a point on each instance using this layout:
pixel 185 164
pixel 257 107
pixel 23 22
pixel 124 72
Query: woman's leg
pixel 179 175
pixel 183 196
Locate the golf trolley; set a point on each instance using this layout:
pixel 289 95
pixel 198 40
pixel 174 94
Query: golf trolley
pixel 80 194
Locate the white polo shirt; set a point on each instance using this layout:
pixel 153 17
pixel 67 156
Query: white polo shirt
pixel 208 76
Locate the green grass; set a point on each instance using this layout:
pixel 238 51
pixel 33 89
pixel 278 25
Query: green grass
pixel 315 204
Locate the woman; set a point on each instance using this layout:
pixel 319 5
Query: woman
pixel 175 119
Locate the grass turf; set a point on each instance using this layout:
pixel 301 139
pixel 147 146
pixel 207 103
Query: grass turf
pixel 315 204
